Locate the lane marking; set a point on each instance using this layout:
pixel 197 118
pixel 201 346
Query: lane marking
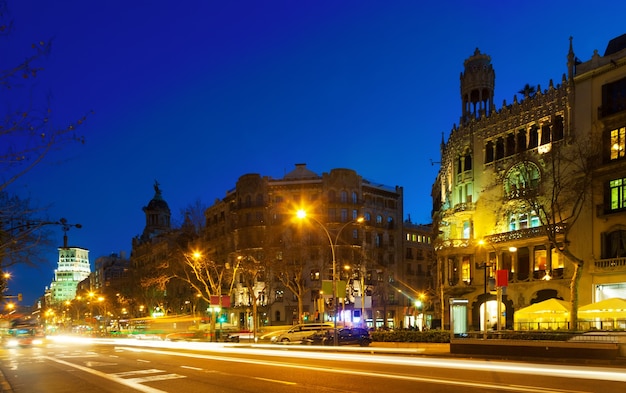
pixel 121 381
pixel 192 368
pixel 137 372
pixel 441 381
pixel 275 381
pixel 153 378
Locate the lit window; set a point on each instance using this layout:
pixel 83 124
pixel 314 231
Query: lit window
pixel 617 189
pixel 617 143
pixel 466 229
pixel 465 270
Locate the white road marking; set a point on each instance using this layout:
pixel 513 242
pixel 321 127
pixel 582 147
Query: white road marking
pixel 126 382
pixel 192 368
pixel 137 372
pixel 275 381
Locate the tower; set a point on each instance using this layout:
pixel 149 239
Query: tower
pixel 157 215
pixel 477 87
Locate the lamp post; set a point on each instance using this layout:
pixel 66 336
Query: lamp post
pixel 484 266
pixel 498 292
pixel 301 214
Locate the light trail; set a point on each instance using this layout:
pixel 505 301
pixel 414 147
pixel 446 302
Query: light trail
pixel 365 355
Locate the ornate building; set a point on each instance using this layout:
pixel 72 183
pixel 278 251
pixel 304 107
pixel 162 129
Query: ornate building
pixel 496 166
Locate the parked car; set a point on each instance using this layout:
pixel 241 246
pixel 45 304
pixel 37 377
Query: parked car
pixel 345 336
pixel 301 331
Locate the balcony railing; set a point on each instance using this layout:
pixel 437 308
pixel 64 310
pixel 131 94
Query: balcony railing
pixel 524 233
pixel 611 264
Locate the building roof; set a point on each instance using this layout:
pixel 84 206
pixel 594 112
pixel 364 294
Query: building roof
pixel 615 45
pixel 301 172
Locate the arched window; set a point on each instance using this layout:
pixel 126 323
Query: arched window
pixel 615 244
pixel 344 196
pixel 521 179
pixel 331 196
pixel 489 152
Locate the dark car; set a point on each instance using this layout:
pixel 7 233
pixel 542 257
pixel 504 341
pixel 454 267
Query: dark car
pixel 345 336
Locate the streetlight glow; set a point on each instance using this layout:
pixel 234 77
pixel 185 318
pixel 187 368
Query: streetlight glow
pixel 301 214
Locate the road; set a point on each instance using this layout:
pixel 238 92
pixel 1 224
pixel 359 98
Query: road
pixel 122 366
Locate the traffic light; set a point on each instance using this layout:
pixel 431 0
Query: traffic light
pixel 19 297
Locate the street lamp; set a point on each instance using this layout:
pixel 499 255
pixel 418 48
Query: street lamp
pixel 301 214
pixel 485 265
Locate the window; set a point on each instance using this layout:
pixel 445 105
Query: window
pixel 344 197
pixel 541 260
pixel 613 97
pixel 533 137
pixel 615 244
pixel 489 152
pixel 523 220
pixel 617 194
pixel 466 229
pixel 355 214
pixel 617 143
pixel 466 275
pixel 453 272
pixel 521 179
pixel 355 197
pixel 315 274
pixel 379 219
pixel 344 215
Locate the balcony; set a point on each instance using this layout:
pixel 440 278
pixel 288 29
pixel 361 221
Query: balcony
pixel 526 233
pixel 611 265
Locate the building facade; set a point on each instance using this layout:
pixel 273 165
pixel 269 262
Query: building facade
pixel 499 166
pixel 257 219
pixel 73 267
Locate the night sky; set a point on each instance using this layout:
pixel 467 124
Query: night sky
pixel 196 93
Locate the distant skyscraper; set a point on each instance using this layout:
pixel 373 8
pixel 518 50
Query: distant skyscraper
pixel 73 267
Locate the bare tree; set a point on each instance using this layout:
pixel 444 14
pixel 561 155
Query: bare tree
pixel 252 286
pixel 27 135
pixel 558 198
pixel 289 266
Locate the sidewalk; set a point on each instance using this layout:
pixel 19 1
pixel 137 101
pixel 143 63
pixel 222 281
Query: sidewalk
pixel 4 385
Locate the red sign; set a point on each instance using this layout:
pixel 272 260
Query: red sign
pixel 215 301
pixel 502 278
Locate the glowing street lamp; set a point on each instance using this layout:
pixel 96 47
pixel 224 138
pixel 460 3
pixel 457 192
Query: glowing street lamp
pixel 301 214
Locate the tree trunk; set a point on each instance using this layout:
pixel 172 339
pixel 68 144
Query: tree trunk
pixel 300 309
pixel 578 269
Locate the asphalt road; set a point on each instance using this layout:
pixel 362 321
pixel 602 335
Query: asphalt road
pixel 130 366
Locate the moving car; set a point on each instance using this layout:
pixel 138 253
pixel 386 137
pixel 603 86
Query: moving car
pixel 345 336
pixel 24 337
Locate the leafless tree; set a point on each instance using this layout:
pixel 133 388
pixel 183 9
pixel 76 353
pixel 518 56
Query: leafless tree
pixel 560 197
pixel 27 135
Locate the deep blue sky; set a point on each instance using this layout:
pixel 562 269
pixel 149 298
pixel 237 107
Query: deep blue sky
pixel 197 93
